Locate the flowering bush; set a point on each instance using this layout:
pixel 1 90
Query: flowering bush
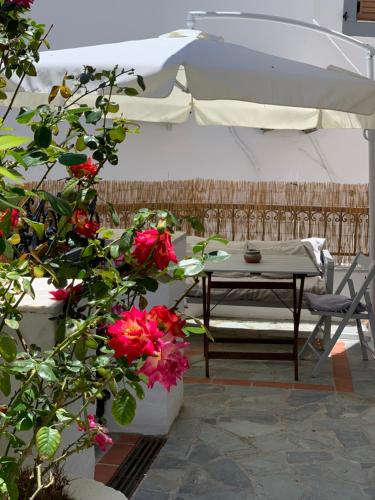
pixel 105 336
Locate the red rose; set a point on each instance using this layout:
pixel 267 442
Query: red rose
pixel 168 321
pixel 134 335
pixel 153 247
pixel 65 293
pixel 84 170
pixel 15 217
pixel 24 4
pixel 83 225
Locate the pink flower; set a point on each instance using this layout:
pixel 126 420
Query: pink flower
pixel 134 335
pixel 97 432
pixel 65 293
pixel 168 365
pixel 84 170
pixel 23 4
pixel 103 440
pixel 152 247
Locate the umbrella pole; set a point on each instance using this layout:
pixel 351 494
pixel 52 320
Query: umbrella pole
pixel 370 136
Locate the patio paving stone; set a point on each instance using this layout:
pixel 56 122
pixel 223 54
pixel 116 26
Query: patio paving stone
pixel 271 443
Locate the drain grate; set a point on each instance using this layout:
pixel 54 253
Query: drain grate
pixel 133 469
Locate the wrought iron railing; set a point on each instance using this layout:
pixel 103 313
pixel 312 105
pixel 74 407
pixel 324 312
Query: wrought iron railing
pixel 346 229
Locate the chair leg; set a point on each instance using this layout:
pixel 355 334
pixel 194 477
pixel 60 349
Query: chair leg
pixel 327 331
pixel 329 347
pixel 372 327
pixel 311 337
pixel 371 318
pixel 362 340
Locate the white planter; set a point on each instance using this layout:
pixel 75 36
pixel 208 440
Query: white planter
pixel 88 489
pixel 155 414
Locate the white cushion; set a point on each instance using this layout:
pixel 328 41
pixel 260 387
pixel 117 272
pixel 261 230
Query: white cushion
pixel 313 246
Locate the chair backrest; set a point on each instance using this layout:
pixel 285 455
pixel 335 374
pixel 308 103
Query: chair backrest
pixel 361 263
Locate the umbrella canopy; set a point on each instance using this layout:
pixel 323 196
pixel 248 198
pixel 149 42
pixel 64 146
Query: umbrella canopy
pixel 222 83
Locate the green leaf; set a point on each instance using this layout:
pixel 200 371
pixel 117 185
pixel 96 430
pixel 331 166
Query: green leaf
pixel 217 256
pixel 25 115
pixel 199 247
pixel 53 93
pixel 58 204
pixel 69 159
pixel 5 385
pixel 123 407
pixel 93 116
pixel 130 91
pixel 80 349
pixel 191 267
pixel 80 144
pixel 142 303
pixel 12 141
pixel 8 347
pixel 197 330
pixel 12 322
pixel 27 286
pixel 64 416
pixel 46 372
pixel 47 442
pixel 12 175
pixel 60 332
pixel 115 251
pixel 149 283
pixel 138 389
pixel 43 136
pixel 91 343
pixel 23 365
pixel 117 134
pixel 141 82
pixel 37 226
pixel 113 107
pixel 24 421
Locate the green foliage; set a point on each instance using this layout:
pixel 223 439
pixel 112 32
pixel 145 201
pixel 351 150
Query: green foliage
pixel 47 442
pixel 123 407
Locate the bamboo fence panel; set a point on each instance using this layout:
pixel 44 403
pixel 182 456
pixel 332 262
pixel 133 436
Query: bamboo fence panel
pixel 241 210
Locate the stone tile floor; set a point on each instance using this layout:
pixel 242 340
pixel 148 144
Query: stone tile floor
pixel 250 432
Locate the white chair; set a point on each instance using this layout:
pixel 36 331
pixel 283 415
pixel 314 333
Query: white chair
pixel 361 262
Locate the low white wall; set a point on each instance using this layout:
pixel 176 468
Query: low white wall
pixel 40 330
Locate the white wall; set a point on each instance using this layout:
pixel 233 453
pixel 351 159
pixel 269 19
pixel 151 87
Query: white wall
pixel 190 151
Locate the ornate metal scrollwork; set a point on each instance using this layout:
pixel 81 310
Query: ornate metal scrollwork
pixel 41 212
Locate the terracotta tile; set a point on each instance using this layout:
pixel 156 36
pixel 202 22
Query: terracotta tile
pixel 116 454
pixel 103 473
pixel 341 369
pixel 268 383
pixel 314 387
pixel 344 387
pixel 339 348
pixel 197 380
pixel 129 438
pixel 231 381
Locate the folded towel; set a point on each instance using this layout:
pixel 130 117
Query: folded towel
pixel 330 303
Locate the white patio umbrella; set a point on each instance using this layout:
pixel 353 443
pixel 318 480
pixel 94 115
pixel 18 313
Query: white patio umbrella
pixel 221 83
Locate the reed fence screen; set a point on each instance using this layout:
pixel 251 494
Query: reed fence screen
pixel 240 210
